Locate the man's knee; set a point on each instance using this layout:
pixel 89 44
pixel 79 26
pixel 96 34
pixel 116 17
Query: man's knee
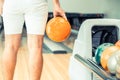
pixel 35 42
pixel 12 43
pixel 12 47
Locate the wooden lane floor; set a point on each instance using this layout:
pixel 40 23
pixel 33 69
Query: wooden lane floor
pixel 55 66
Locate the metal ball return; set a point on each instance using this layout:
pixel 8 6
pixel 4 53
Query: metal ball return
pixel 82 64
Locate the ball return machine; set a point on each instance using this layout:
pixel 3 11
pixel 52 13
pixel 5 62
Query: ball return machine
pixel 92 33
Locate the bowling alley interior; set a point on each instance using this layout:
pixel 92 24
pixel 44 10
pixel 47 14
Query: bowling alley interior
pixel 85 46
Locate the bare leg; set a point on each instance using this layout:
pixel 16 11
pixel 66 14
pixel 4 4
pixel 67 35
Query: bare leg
pixel 35 58
pixel 12 43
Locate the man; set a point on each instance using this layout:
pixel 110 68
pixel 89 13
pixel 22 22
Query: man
pixel 34 13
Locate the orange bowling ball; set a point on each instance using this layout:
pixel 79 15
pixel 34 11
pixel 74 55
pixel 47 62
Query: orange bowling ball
pixel 117 43
pixel 106 54
pixel 58 29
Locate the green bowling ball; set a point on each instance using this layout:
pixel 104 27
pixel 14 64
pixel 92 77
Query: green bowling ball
pixel 99 51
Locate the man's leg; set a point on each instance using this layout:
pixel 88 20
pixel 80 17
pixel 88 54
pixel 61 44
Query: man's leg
pixel 12 43
pixel 35 57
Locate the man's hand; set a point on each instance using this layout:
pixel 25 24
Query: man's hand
pixel 59 12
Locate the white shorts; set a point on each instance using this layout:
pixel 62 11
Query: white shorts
pixel 33 12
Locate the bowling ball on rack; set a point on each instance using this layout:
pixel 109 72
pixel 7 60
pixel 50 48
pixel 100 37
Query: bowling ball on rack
pixel 100 49
pixel 58 29
pixel 113 62
pixel 117 43
pixel 106 55
pixel 118 65
pixel 118 69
